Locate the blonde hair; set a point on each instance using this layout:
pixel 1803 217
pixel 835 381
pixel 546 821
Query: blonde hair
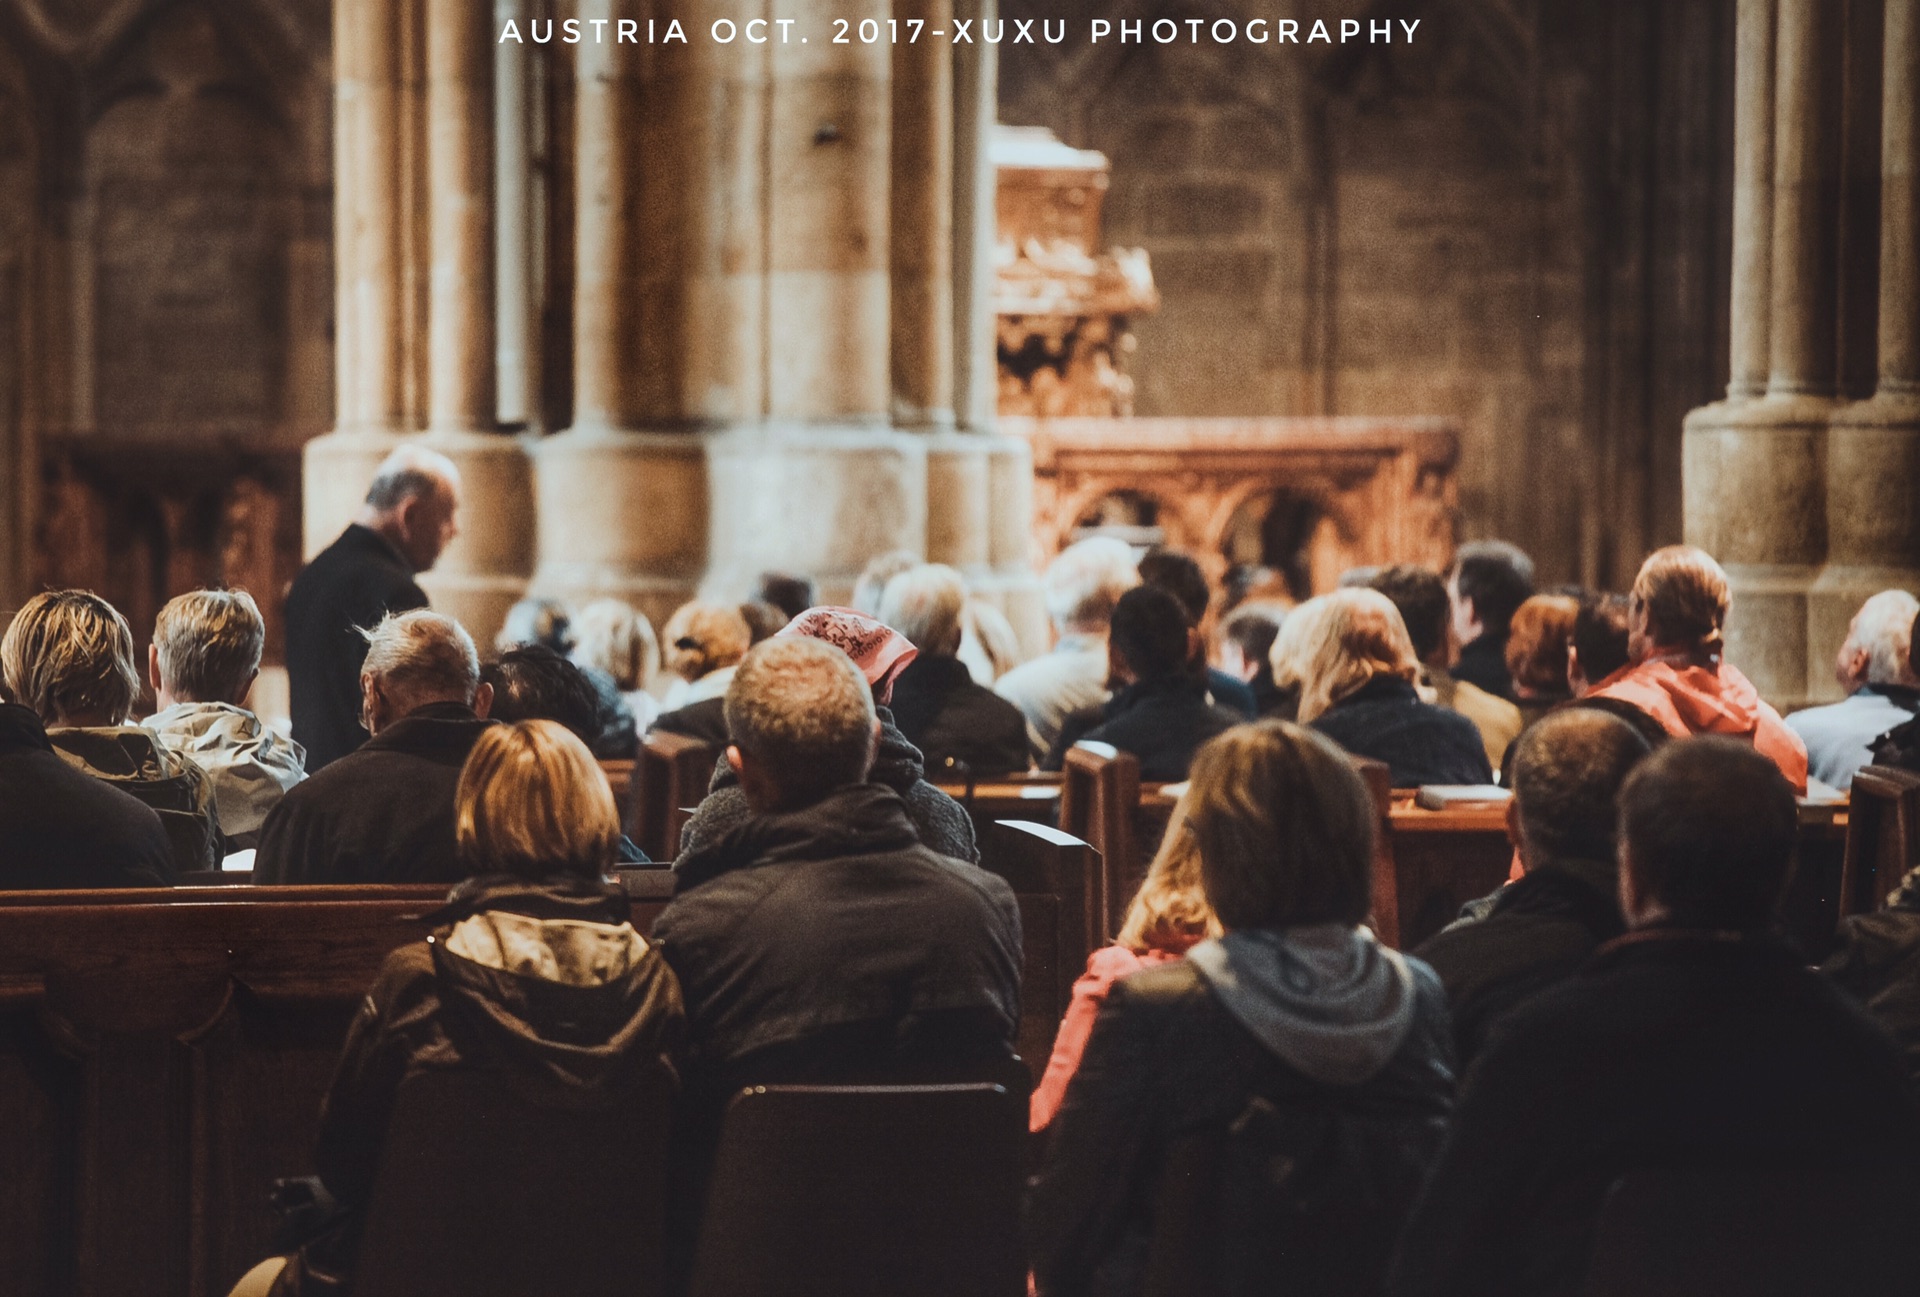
pixel 1685 596
pixel 1170 911
pixel 532 801
pixel 703 637
pixel 1284 828
pixel 612 635
pixel 1358 637
pixel 68 653
pixel 210 643
pixel 1294 642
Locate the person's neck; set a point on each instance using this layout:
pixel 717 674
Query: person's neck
pixel 96 720
pixel 386 528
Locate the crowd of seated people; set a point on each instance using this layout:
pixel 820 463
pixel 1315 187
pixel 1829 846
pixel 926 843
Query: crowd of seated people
pixel 1444 1120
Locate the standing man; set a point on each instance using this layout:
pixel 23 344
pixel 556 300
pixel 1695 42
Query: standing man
pixel 407 520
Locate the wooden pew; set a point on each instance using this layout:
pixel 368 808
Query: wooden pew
pixel 669 780
pixel 1033 797
pixel 1103 802
pixel 1442 860
pixel 1051 874
pixel 1882 837
pixel 163 1054
pixel 1385 915
pixel 620 779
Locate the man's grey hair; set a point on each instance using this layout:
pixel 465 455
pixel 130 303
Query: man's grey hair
pixel 422 657
pixel 1883 629
pixel 874 577
pixel 1086 580
pixel 210 643
pixel 1568 769
pixel 927 604
pixel 804 711
pixel 408 472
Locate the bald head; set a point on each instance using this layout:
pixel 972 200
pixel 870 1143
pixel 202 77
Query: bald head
pixel 413 502
pixel 1567 773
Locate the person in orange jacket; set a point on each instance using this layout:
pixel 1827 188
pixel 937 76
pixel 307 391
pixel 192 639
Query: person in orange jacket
pixel 1677 674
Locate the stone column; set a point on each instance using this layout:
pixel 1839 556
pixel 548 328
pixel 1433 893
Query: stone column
pixel 1755 469
pixel 920 239
pixel 1873 450
pixel 485 569
pixel 369 387
pixel 667 225
pixel 516 346
pixel 826 484
pixel 1752 197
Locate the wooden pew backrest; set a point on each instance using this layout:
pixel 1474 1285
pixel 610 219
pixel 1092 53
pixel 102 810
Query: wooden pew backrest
pixel 1883 836
pixel 1051 874
pixel 670 780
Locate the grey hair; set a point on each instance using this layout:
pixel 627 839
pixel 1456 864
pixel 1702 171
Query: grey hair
pixel 615 637
pixel 1086 580
pixel 408 472
pixel 1883 630
pixel 802 709
pixel 874 577
pixel 423 657
pixel 210 642
pixel 926 604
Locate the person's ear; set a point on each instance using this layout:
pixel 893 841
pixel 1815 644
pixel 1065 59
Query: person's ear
pixel 482 699
pixel 153 668
pixel 371 704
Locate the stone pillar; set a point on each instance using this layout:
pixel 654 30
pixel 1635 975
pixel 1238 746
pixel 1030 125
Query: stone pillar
pixel 369 384
pixel 1752 197
pixel 825 484
pixel 1755 470
pixel 516 343
pixel 484 571
pixel 1873 450
pixel 921 236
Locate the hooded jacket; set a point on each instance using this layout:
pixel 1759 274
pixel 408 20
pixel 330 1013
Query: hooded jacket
pixel 1294 1085
pixel 60 827
pixel 831 938
pixel 1689 700
pixel 545 983
pixel 133 760
pixel 382 814
pixel 251 767
pixel 942 823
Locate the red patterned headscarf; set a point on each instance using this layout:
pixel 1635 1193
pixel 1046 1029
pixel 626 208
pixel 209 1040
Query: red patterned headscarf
pixel 880 651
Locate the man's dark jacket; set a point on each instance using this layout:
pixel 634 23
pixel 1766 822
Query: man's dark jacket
pixel 828 942
pixel 946 715
pixel 1538 931
pixel 349 586
pixel 1422 744
pixel 1163 722
pixel 383 814
pixel 1484 663
pixel 1877 958
pixel 1671 1047
pixel 60 827
pixel 943 824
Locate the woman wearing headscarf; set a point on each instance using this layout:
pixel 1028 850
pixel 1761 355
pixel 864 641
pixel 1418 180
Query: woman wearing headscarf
pixel 881 653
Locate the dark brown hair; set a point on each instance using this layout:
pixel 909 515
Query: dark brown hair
pixel 1285 828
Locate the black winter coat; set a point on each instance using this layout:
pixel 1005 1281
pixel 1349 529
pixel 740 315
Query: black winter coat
pixel 1421 744
pixel 830 939
pixel 1484 663
pixel 1173 1086
pixel 1163 722
pixel 60 827
pixel 943 824
pixel 1539 930
pixel 383 814
pixel 558 1043
pixel 946 715
pixel 1670 1047
pixel 349 586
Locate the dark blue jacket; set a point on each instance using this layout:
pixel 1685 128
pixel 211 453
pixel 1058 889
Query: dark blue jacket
pixel 1421 743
